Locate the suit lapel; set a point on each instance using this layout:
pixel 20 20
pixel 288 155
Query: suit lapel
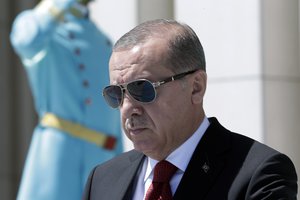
pixel 132 175
pixel 206 163
pixel 123 187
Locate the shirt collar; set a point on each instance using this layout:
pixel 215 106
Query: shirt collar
pixel 181 156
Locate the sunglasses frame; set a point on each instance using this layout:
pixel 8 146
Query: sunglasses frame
pixel 155 85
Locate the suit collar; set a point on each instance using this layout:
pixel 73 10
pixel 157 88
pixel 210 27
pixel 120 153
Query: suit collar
pixel 134 165
pixel 206 163
pixel 125 176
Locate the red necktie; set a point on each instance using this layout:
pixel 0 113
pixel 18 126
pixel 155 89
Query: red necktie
pixel 160 188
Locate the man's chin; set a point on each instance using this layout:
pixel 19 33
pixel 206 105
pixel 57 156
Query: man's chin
pixel 142 147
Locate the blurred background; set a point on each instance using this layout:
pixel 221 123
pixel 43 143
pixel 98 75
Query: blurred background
pixel 252 53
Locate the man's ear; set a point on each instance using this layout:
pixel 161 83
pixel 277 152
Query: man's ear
pixel 199 86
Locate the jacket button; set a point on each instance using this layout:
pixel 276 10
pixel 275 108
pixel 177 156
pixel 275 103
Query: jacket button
pixel 71 35
pixel 85 83
pixel 81 66
pixel 77 51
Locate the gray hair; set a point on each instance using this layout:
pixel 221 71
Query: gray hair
pixel 185 50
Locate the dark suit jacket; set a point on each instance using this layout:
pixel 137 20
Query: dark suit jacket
pixel 225 165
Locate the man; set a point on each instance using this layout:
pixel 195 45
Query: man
pixel 158 81
pixel 66 58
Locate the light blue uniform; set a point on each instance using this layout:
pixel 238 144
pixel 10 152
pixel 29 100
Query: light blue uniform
pixel 67 66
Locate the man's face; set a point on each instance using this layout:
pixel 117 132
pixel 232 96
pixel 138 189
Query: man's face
pixel 157 128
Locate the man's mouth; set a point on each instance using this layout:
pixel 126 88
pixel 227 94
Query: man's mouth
pixel 134 126
pixel 136 131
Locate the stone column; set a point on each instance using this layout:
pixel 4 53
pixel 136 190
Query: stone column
pixel 281 76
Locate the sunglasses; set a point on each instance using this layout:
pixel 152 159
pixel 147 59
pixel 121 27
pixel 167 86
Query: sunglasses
pixel 141 90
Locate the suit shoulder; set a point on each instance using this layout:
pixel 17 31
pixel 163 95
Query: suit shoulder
pixel 261 156
pixel 115 173
pixel 255 147
pixel 238 143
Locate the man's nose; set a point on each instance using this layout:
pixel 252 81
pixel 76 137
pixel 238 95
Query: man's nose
pixel 130 107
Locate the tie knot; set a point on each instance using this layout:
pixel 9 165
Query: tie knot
pixel 163 171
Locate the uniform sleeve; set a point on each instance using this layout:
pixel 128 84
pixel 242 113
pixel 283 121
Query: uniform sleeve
pixel 275 178
pixel 32 29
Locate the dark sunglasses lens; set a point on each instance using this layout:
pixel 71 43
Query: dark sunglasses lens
pixel 142 91
pixel 113 95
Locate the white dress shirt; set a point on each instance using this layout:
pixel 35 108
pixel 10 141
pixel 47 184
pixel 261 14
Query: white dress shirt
pixel 180 158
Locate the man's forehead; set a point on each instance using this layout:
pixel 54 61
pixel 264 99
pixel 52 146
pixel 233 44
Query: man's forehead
pixel 141 61
pixel 126 58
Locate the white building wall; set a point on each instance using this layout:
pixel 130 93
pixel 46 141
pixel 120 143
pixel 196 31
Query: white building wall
pixel 114 17
pixel 230 35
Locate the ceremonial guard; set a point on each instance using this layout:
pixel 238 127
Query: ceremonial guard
pixel 66 59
